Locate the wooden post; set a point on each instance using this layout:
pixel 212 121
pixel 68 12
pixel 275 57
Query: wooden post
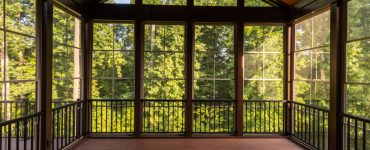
pixel 338 30
pixel 189 89
pixel 139 71
pixel 288 75
pixel 86 46
pixel 239 76
pixel 44 31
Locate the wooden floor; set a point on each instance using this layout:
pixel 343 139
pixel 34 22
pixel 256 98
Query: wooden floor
pixel 188 144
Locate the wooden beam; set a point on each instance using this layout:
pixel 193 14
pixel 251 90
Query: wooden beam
pixel 306 7
pixel 189 89
pixel 338 36
pixel 239 76
pixel 287 78
pixel 139 77
pixel 44 31
pixel 189 13
pixel 86 46
pixel 70 6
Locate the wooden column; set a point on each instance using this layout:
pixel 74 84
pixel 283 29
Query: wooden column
pixel 45 47
pixel 239 76
pixel 86 45
pixel 288 75
pixel 338 30
pixel 139 71
pixel 189 88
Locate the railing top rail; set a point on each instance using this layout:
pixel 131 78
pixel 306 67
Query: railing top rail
pixel 8 122
pixel 212 100
pixel 310 106
pixel 357 118
pixel 256 100
pixel 67 105
pixel 163 100
pixel 111 100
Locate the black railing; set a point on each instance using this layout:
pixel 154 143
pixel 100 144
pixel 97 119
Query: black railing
pixel 111 116
pixel 163 116
pixel 214 116
pixel 67 124
pixel 310 124
pixel 263 116
pixel 13 109
pixel 20 133
pixel 357 132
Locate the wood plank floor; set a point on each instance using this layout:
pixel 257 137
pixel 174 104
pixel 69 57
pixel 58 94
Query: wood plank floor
pixel 188 144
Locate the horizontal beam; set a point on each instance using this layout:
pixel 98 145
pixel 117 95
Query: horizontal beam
pixel 306 7
pixel 70 6
pixel 186 13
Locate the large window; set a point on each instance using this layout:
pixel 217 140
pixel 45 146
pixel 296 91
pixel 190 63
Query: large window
pixel 18 50
pixel 66 56
pixel 263 63
pixel 113 68
pixel 312 60
pixel 358 57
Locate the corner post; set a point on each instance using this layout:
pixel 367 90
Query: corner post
pixel 189 56
pixel 139 79
pixel 239 76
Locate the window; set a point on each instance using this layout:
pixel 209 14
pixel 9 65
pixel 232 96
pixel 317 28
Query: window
pixel 215 2
pixel 256 3
pixel 113 68
pixel 18 50
pixel 164 62
pixel 214 62
pixel 263 62
pixel 358 57
pixel 165 2
pixel 120 1
pixel 312 60
pixel 66 57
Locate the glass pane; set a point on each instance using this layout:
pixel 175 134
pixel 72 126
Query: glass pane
pixel 303 35
pixel 320 94
pixel 303 65
pixel 123 37
pixel 224 65
pixel 321 29
pixel 224 89
pixel 28 90
pixel 253 89
pixel 204 65
pixel 164 37
pixel 358 19
pixel 256 3
pixel 321 64
pixel 203 89
pixel 153 89
pixel 62 90
pixel 273 66
pixel 102 64
pixel 358 58
pixel 253 66
pixel 20 16
pixel 21 53
pixel 273 90
pixel 154 65
pixel 165 2
pixel 302 91
pixel 215 2
pixel 174 89
pixel 66 28
pixel 123 89
pixel 124 64
pixel 358 99
pixel 62 62
pixel 120 1
pixel 263 39
pixel 174 65
pixel 102 89
pixel 103 36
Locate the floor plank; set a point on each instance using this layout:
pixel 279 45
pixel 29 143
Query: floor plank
pixel 189 144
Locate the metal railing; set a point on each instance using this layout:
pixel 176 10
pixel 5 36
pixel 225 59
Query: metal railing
pixel 20 133
pixel 67 124
pixel 357 132
pixel 163 116
pixel 111 116
pixel 214 116
pixel 310 124
pixel 263 116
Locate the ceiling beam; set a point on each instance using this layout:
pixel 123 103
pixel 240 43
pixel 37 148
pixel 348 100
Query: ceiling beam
pixel 306 7
pixel 184 13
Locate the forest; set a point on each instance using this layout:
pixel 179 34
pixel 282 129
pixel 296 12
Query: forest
pixel 113 65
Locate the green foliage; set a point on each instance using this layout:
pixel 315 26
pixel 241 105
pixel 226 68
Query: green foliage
pixel 215 2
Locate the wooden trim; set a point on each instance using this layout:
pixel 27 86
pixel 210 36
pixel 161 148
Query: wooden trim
pixel 338 37
pixel 189 13
pixel 239 75
pixel 307 7
pixel 44 31
pixel 139 71
pixel 189 89
pixel 286 35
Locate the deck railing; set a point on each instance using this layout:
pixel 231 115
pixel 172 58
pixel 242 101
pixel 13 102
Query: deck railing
pixel 357 133
pixel 67 124
pixel 310 124
pixel 20 133
pixel 263 116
